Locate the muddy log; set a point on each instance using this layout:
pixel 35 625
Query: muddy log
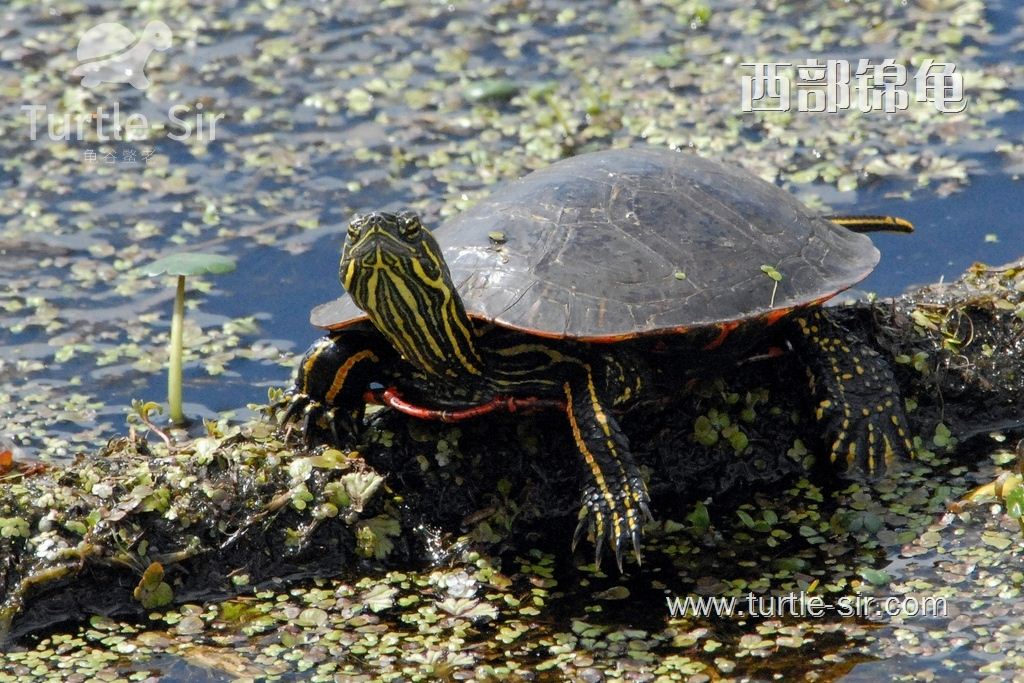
pixel 140 524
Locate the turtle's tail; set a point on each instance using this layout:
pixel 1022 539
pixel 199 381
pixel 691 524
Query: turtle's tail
pixel 873 223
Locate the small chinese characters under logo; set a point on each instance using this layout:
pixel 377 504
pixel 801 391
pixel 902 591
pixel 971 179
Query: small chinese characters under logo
pixel 110 156
pixel 833 85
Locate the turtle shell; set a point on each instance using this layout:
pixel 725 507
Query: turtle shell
pixel 104 40
pixel 624 243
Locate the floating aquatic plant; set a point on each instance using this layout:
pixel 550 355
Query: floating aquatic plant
pixel 183 265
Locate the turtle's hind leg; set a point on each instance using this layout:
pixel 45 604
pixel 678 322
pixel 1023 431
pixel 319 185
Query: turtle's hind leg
pixel 859 407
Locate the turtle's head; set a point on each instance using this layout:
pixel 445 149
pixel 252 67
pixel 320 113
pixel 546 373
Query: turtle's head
pixel 393 269
pixel 389 242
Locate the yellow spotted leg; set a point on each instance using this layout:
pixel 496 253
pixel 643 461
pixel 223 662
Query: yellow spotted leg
pixel 859 408
pixel 615 499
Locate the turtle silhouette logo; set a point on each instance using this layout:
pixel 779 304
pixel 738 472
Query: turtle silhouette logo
pixel 110 53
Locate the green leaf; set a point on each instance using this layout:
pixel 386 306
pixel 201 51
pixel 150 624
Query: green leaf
pixel 747 520
pixel 1015 503
pixel 360 487
pixel 704 431
pixel 875 577
pixel 379 598
pixel 665 60
pixel 491 90
pixel 468 608
pixel 700 518
pixel 943 437
pixel 613 593
pixel 189 263
pixel 771 272
pixel 738 440
pixel 312 616
pixel 847 183
pixel 996 539
pixel 373 536
pixel 152 591
pixel 807 175
pixel 790 564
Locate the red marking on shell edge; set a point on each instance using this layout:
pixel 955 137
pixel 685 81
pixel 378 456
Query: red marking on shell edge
pixel 776 315
pixel 724 329
pixel 344 323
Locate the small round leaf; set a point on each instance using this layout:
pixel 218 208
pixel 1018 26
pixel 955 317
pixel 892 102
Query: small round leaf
pixel 189 263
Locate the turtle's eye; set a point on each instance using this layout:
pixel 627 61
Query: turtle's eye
pixel 354 228
pixel 409 225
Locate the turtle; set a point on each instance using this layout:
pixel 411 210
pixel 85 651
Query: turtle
pixel 543 292
pixel 109 52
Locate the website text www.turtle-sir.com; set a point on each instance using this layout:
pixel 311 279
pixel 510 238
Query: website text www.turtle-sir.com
pixel 802 605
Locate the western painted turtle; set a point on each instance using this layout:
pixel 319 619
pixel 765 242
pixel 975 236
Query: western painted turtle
pixel 543 290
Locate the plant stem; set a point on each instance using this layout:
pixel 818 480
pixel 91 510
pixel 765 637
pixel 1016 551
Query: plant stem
pixel 174 368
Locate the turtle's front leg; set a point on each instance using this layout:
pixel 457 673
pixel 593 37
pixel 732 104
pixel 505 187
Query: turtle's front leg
pixel 327 398
pixel 859 406
pixel 615 499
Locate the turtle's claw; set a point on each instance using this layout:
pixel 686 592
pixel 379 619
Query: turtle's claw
pixel 302 408
pixel 616 520
pixel 865 427
pixel 293 404
pixel 874 441
pixel 860 410
pixel 636 548
pixel 331 417
pixel 314 419
pixel 583 528
pixel 311 414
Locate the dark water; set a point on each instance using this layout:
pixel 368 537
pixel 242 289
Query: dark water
pixel 950 232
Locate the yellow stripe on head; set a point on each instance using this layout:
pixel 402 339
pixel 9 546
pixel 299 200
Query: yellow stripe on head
pixel 394 270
